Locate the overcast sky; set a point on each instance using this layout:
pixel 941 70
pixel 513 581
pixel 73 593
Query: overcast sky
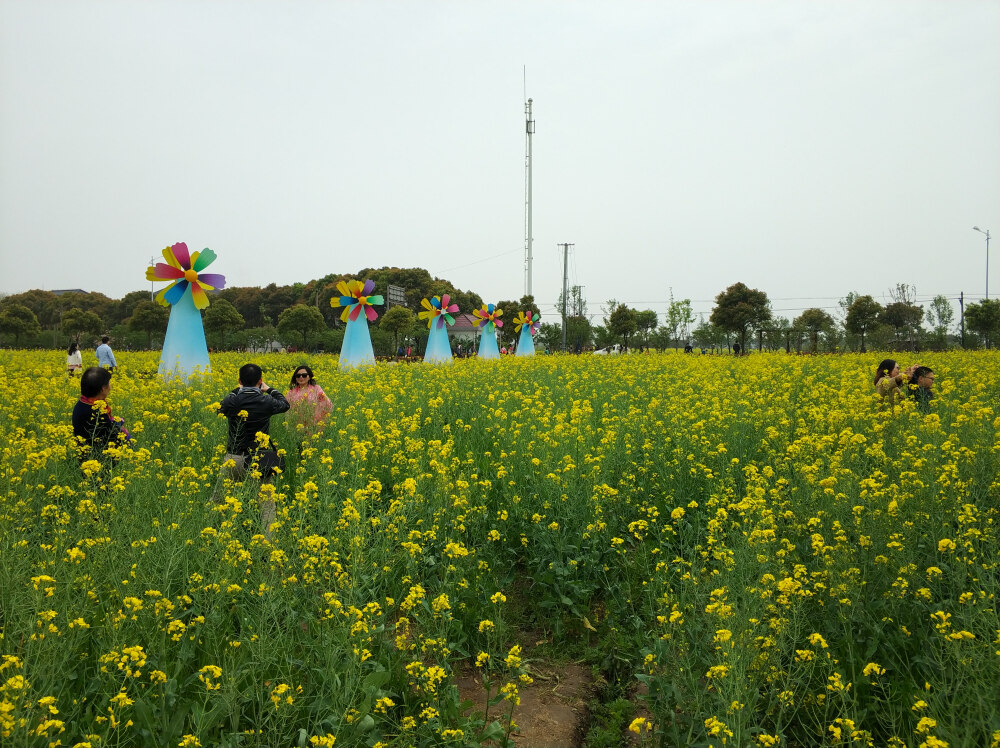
pixel 804 148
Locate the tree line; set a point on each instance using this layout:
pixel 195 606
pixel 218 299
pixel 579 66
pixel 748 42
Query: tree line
pixel 300 316
pixel 743 316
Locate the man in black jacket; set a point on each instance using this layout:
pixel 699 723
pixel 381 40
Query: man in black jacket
pixel 248 409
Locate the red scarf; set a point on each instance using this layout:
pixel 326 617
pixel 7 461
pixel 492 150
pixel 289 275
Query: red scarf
pixel 91 400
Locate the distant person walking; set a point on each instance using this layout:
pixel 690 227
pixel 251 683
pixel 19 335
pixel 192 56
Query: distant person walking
pixel 74 359
pixel 105 356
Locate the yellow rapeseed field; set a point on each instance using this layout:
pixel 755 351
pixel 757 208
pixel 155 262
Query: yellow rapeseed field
pixel 756 549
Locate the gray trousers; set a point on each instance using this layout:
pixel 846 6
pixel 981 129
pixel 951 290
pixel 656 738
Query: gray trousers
pixel 238 473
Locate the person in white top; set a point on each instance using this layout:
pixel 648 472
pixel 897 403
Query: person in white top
pixel 74 359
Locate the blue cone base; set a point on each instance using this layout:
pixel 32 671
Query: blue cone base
pixel 488 343
pixel 525 343
pixel 185 353
pixel 356 349
pixel 438 348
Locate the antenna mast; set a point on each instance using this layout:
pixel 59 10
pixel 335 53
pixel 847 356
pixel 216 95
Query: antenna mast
pixel 529 130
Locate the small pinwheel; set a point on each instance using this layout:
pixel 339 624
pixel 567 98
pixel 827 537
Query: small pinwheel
pixel 525 318
pixel 355 296
pixel 488 315
pixel 438 311
pixel 185 270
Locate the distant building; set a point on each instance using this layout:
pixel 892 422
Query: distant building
pixel 61 291
pixel 464 330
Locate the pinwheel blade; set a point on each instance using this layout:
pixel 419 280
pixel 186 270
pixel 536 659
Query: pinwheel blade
pixel 162 272
pixel 180 250
pixel 445 298
pixel 426 304
pixel 355 311
pixel 343 314
pixel 368 287
pixel 377 300
pixel 212 280
pixel 199 296
pixel 168 255
pixel 371 314
pixel 173 294
pixel 201 260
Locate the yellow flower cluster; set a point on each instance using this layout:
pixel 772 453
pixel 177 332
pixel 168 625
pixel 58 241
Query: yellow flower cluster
pixel 746 536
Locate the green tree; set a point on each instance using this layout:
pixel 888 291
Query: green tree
pixel 76 322
pixel 18 320
pixel 707 335
pixel 579 331
pixel 222 318
pixel 623 323
pixel 125 307
pixel 301 320
pixel 814 321
pixel 940 315
pixel 984 318
pixel 863 314
pixel 149 317
pixel 778 334
pixel 579 334
pixel 904 318
pixel 680 317
pixel 398 320
pixel 44 304
pixel 646 321
pixel 740 309
pixel 550 335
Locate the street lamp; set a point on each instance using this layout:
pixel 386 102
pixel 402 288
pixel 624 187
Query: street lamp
pixel 987 232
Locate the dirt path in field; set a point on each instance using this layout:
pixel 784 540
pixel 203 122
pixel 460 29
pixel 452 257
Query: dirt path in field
pixel 553 709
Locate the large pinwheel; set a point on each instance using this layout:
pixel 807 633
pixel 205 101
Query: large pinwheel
pixel 355 296
pixel 526 318
pixel 488 320
pixel 527 323
pixel 438 311
pixel 488 317
pixel 185 353
pixel 185 270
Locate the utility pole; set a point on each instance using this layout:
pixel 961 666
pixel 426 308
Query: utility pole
pixel 565 283
pixel 961 314
pixel 529 130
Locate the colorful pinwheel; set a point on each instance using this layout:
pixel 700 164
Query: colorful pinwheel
pixel 185 270
pixel 488 315
pixel 355 296
pixel 525 318
pixel 438 311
